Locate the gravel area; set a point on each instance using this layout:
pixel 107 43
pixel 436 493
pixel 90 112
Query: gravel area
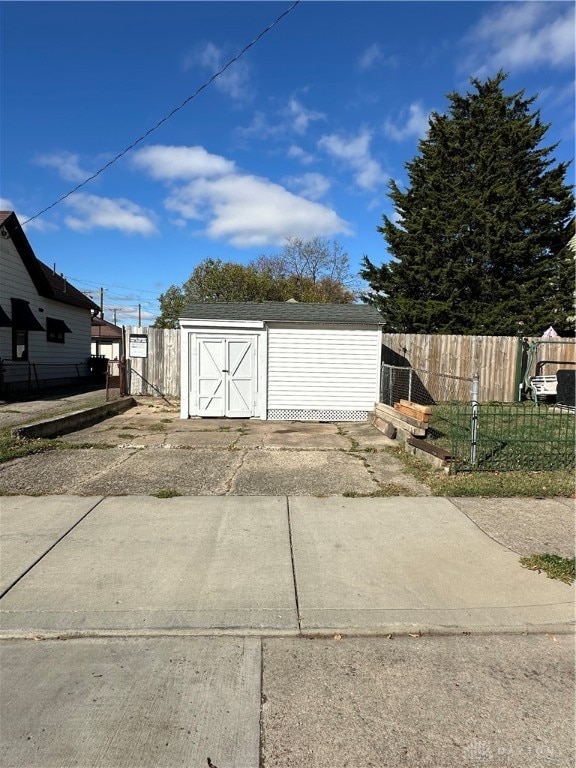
pixel 431 702
pixel 527 526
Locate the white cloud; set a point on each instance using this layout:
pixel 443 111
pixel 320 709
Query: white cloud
pixel 238 208
pixel 125 313
pixel 93 212
pixel 297 153
pixel 261 128
pixel 414 124
pixel 66 163
pixel 522 36
pixel 355 152
pixel 370 57
pixel 249 211
pixel 294 116
pixel 39 224
pixel 7 205
pixel 301 117
pixel 234 82
pixel 310 185
pixel 172 163
pixel 374 57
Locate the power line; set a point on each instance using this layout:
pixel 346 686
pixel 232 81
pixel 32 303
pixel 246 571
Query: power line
pixel 170 114
pixel 99 284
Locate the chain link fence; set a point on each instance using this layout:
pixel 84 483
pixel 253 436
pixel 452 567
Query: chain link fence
pixel 484 436
pixel 421 386
pixel 507 437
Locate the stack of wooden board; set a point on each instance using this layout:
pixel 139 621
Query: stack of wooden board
pixel 405 418
pixel 418 412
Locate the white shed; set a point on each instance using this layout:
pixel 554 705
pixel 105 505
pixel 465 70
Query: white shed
pixel 280 360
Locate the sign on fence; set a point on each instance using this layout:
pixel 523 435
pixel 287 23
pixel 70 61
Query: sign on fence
pixel 138 345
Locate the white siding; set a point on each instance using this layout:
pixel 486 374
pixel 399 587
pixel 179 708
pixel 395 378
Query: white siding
pixel 15 282
pixel 323 367
pixel 109 349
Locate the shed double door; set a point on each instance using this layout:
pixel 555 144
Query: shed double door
pixel 226 376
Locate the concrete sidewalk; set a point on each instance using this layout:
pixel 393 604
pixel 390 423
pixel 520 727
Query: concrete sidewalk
pixel 263 565
pixel 278 631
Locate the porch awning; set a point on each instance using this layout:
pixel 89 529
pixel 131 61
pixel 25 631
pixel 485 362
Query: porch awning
pixel 22 316
pixel 57 326
pixel 5 321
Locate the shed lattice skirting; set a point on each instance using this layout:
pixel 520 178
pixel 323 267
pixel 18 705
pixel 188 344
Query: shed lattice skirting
pixel 297 414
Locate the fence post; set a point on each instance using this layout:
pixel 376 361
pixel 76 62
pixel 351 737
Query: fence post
pixel 410 385
pixel 122 375
pixel 474 395
pixel 518 372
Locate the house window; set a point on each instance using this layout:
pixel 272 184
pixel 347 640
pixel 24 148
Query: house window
pixel 56 330
pixel 23 321
pixel 19 344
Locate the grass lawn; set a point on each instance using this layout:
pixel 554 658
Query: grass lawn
pixel 554 566
pixel 510 436
pixel 539 484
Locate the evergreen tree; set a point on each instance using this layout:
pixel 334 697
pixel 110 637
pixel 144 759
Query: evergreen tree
pixel 479 246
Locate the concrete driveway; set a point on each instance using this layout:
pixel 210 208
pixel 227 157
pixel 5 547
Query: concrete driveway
pixel 149 450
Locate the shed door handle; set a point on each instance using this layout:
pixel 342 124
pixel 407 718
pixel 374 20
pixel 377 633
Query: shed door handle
pixel 225 371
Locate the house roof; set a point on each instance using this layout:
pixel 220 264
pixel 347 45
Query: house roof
pixel 284 312
pixel 102 329
pixel 46 281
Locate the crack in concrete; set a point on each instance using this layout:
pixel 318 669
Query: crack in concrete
pixel 294 581
pixel 77 487
pixel 230 481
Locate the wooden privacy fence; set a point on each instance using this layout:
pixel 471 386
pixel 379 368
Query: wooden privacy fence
pixel 158 373
pixel 494 358
pixel 500 361
pixel 546 357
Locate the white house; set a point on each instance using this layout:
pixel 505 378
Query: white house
pixel 45 321
pixel 276 360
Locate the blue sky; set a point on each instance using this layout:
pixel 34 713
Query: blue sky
pixel 298 138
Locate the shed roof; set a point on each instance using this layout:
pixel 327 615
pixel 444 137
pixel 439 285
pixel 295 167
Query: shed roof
pixel 284 312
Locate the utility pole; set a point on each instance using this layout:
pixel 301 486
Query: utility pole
pixel 102 303
pixel 114 315
pixel 139 315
